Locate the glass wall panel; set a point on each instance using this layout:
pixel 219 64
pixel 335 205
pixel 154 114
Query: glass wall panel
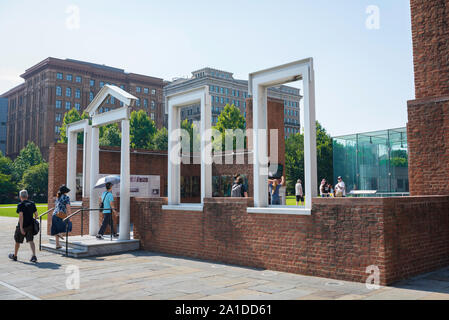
pixel 373 161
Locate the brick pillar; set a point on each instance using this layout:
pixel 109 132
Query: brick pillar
pixel 428 115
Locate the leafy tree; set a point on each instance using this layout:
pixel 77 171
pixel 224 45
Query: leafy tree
pixel 8 188
pixel 230 118
pixel 110 135
pixel 69 117
pixel 142 130
pixel 160 139
pixel 28 157
pixel 194 134
pixel 294 157
pixel 6 165
pixel 35 181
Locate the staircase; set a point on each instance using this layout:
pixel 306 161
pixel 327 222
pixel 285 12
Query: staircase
pixel 89 246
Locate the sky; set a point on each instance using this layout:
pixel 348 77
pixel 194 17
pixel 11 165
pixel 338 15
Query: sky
pixel 362 50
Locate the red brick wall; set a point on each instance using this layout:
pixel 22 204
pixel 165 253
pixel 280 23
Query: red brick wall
pixel 430 32
pixel 428 143
pixel 428 116
pixel 339 240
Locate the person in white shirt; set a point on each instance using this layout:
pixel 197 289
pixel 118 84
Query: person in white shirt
pixel 299 193
pixel 340 188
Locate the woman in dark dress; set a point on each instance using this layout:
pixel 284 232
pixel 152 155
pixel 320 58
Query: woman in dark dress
pixel 62 205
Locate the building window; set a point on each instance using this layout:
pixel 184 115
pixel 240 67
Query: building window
pixel 211 88
pixel 145 90
pixel 221 90
pixel 58 104
pixel 138 89
pixel 78 93
pixel 152 115
pixel 101 84
pixel 59 76
pixel 138 102
pixel 92 83
pixel 57 129
pixel 68 92
pixel 78 106
pixel 153 91
pixel 145 103
pixel 58 117
pixel 112 100
pixel 68 105
pixel 153 104
pixel 91 96
pixel 69 77
pixel 58 91
pixel 78 79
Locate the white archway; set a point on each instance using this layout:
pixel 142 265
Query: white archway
pixel 100 119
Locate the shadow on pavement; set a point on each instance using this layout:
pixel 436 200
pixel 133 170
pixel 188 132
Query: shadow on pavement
pixel 43 265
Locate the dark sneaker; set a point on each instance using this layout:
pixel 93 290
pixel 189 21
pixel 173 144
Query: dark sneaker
pixel 12 257
pixel 116 235
pixel 33 259
pixel 99 237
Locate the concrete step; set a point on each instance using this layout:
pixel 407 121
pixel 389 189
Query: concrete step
pixel 74 253
pixel 88 246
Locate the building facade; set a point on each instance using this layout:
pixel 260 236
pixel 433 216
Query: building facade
pixel 3 125
pixel 54 86
pixel 224 89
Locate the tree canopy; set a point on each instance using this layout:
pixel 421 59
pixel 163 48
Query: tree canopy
pixel 28 157
pixel 230 119
pixel 142 130
pixel 35 181
pixel 69 117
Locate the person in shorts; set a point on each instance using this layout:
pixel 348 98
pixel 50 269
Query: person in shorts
pixel 24 230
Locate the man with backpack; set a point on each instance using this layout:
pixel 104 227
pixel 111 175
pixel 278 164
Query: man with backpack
pixel 25 228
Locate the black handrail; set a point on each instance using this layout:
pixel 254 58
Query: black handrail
pixel 40 226
pixel 66 220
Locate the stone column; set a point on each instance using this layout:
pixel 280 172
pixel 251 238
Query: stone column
pixel 71 164
pixel 124 184
pixel 94 223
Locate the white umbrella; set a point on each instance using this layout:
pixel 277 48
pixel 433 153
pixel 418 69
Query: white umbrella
pixel 101 183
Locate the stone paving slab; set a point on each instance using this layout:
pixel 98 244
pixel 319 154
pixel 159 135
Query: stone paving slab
pixel 141 275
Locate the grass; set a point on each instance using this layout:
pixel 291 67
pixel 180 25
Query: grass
pixel 9 210
pixel 291 201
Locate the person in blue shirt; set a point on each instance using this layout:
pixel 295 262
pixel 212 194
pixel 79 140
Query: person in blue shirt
pixel 108 208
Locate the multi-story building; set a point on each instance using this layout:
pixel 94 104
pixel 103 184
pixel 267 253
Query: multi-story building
pixel 224 90
pixel 3 127
pixel 54 86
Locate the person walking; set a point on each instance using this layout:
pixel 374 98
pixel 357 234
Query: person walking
pixel 274 187
pixel 24 229
pixel 340 188
pixel 62 211
pixel 107 199
pixel 299 193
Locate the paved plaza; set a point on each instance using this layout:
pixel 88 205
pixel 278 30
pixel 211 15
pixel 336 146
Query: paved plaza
pixel 146 275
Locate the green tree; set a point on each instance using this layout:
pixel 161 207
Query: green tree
pixel 294 157
pixel 194 134
pixel 28 157
pixel 69 117
pixel 142 130
pixel 6 165
pixel 110 135
pixel 160 139
pixel 230 118
pixel 8 188
pixel 35 181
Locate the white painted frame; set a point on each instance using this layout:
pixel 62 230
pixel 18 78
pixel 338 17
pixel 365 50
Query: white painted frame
pixel 259 82
pixel 72 131
pixel 174 104
pixel 102 119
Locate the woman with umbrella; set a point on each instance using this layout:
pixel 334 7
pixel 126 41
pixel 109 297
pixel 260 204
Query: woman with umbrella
pixel 107 204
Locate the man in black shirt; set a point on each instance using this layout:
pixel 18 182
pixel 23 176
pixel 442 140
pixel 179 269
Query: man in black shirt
pixel 24 230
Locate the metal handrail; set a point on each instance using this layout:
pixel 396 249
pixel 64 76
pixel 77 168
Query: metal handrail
pixel 40 225
pixel 66 220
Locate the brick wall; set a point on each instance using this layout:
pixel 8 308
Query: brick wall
pixel 430 33
pixel 339 240
pixel 428 116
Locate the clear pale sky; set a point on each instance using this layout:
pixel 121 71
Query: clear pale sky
pixel 364 77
